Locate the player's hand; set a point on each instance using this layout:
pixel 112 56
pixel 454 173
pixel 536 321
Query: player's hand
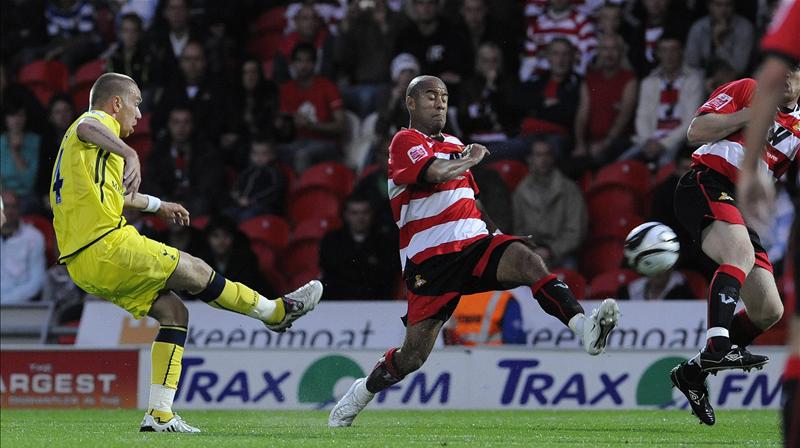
pixel 475 152
pixel 755 195
pixel 173 212
pixel 132 176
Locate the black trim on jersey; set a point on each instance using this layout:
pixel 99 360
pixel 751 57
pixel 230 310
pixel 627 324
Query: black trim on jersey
pixel 103 181
pixel 61 259
pixel 97 165
pixel 421 175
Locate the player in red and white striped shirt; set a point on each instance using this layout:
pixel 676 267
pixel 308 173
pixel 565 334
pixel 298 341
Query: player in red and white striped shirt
pixel 559 20
pixel 447 250
pixel 705 204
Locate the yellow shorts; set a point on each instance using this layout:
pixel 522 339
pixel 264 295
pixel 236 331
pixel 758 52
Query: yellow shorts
pixel 125 268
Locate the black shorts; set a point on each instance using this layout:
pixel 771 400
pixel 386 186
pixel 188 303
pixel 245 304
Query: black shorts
pixel 436 284
pixel 704 196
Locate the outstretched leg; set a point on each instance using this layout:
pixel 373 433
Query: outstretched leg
pixel 166 355
pixel 195 278
pixel 393 366
pixel 520 265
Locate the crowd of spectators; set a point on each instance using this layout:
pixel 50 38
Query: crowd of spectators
pixel 241 97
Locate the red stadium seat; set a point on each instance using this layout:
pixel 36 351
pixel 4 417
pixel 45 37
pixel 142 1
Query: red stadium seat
pixel 332 176
pixel 301 257
pixel 272 20
pixel 313 203
pixel 607 284
pixel 573 279
pixel 45 79
pixel 199 222
pixel 265 254
pixel 512 172
pixel 276 280
pixel 607 204
pixel 614 226
pixel 265 47
pixel 663 173
pixel 315 228
pixel 45 226
pixel 271 230
pixel 155 222
pixel 697 283
pixel 629 173
pixel 601 255
pixel 82 81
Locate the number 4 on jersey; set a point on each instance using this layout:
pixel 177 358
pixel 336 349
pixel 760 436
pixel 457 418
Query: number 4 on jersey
pixel 58 181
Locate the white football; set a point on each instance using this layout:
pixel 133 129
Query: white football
pixel 652 248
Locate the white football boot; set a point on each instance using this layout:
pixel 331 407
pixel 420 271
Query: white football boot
pixel 597 328
pixel 356 399
pixel 175 424
pixel 298 303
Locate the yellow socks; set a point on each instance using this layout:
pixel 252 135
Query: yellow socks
pixel 166 355
pixel 239 298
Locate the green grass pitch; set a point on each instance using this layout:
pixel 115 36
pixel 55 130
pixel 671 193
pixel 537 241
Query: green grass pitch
pixel 222 429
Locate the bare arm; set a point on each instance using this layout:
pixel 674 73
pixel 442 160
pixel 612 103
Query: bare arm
pixel 92 131
pixel 135 201
pixel 485 215
pixel 446 170
pixel 712 127
pixel 168 211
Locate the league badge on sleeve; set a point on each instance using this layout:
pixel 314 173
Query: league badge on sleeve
pixel 417 153
pixel 719 101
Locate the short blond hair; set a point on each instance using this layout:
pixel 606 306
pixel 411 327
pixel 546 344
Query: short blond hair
pixel 107 86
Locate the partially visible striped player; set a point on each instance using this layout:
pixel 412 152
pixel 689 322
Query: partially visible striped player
pixel 756 191
pixel 449 246
pixel 706 204
pixel 95 176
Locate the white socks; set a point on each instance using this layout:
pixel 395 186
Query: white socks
pixel 161 398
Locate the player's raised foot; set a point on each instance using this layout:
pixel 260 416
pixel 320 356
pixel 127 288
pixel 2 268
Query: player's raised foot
pixel 356 399
pixel 734 358
pixel 696 393
pixel 297 304
pixel 597 327
pixel 175 424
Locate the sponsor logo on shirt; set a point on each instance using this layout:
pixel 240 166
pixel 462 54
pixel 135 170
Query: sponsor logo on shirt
pixel 719 101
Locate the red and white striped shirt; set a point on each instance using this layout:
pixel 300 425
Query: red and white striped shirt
pixel 434 219
pixel 726 156
pixel 573 26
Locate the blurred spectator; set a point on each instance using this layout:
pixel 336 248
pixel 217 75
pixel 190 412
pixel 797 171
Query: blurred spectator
pixel 60 115
pixel 607 104
pixel 550 207
pixel 549 103
pixel 484 103
pixel 721 34
pixel 560 20
pixel 172 32
pixel 482 28
pixel 58 286
pixel 777 235
pixel 393 113
pixel 261 187
pixel 375 186
pixel 22 257
pixel 358 262
pixel 19 157
pixel 182 167
pixel 315 105
pixel 225 37
pixel 145 9
pixel 656 18
pixel 71 29
pixel 192 85
pixel 145 227
pixel 363 57
pixel 230 255
pixel 308 29
pixel 187 239
pixel 14 93
pixel 436 43
pixel 130 55
pixel 718 72
pixel 487 318
pixel 256 105
pixel 669 285
pixel 610 19
pixel 668 99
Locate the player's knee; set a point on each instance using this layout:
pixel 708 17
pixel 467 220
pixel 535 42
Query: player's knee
pixel 740 255
pixel 170 310
pixel 769 315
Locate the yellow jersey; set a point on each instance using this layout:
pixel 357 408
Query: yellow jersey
pixel 86 192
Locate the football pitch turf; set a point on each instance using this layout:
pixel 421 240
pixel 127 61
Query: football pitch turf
pixel 223 429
